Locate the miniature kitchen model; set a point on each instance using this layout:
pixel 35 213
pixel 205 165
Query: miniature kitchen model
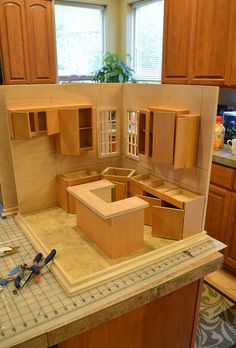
pixel 115 178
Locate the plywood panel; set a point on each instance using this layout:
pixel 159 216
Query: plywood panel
pixel 163 137
pixel 116 236
pixel 168 223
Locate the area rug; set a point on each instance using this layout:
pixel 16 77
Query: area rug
pixel 217 321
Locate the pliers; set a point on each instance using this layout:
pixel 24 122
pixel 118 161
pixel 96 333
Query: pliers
pixel 38 263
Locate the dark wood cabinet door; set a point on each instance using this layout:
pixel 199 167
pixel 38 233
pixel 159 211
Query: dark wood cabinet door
pixel 176 44
pixel 209 57
pixel 40 23
pixel 14 45
pixel 232 43
pixel 230 240
pixel 217 212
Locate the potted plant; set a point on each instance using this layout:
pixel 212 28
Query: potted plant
pixel 114 70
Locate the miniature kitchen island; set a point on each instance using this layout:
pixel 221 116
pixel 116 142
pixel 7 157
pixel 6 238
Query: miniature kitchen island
pixel 138 300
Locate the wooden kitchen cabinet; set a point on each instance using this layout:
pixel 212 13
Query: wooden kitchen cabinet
pixel 197 48
pixel 30 123
pixel 77 130
pixel 221 210
pixel 27 41
pixel 230 240
pixel 217 212
pixel 176 41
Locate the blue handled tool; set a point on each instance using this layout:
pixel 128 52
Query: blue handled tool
pixel 10 276
pixel 35 269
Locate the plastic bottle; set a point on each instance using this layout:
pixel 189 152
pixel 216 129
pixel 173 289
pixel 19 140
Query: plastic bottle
pixel 219 134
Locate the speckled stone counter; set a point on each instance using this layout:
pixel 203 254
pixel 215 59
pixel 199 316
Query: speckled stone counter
pixel 224 157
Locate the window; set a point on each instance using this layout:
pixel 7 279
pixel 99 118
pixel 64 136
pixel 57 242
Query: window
pixel 147 39
pixel 132 135
pixel 107 132
pixel 80 40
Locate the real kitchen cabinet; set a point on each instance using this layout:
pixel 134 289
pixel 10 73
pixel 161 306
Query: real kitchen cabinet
pixel 27 41
pixel 198 47
pixel 221 210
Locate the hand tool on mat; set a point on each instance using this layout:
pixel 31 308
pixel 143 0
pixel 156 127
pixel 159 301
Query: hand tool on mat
pixel 7 250
pixel 38 263
pixel 10 276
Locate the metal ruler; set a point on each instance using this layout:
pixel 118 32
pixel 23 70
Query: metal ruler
pixel 44 305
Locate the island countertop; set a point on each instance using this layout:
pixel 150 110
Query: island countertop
pixel 88 194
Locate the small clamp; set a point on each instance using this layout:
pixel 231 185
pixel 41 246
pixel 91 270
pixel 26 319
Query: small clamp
pixel 35 269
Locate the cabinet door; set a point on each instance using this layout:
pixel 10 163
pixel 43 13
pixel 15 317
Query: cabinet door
pixel 232 43
pixel 176 43
pixel 230 240
pixel 40 26
pixel 14 44
pixel 68 139
pixel 217 212
pixel 209 42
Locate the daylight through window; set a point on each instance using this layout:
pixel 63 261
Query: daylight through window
pixel 147 39
pixel 80 40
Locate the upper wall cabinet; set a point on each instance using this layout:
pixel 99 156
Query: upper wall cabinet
pixel 77 130
pixel 198 47
pixel 27 41
pixel 176 49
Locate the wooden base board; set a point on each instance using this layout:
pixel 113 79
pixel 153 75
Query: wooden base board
pixel 9 211
pixel 76 285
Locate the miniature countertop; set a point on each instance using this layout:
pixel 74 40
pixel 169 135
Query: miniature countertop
pixel 86 194
pixel 224 157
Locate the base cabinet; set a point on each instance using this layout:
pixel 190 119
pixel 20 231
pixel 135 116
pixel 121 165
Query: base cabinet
pixel 221 211
pixel 154 325
pixel 230 252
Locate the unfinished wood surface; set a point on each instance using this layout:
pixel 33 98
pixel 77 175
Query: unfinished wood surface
pixel 65 200
pixel 193 216
pixel 117 236
pixel 69 134
pixel 119 191
pixel 176 110
pixel 21 125
pixel 122 175
pixel 224 281
pixel 186 141
pixel 148 212
pixel 86 194
pixel 52 122
pixel 66 269
pixel 154 325
pixel 168 223
pixel 163 137
pixel 144 132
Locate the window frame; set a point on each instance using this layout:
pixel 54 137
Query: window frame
pixel 131 37
pixel 76 3
pixel 133 135
pixel 107 131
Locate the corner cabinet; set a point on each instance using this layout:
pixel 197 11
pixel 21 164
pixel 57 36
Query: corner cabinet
pixel 27 41
pixel 221 210
pixel 198 48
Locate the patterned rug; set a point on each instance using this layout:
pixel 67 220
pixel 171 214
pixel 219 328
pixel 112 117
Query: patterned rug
pixel 217 321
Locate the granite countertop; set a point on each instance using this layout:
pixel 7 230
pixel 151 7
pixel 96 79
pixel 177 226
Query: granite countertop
pixel 224 157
